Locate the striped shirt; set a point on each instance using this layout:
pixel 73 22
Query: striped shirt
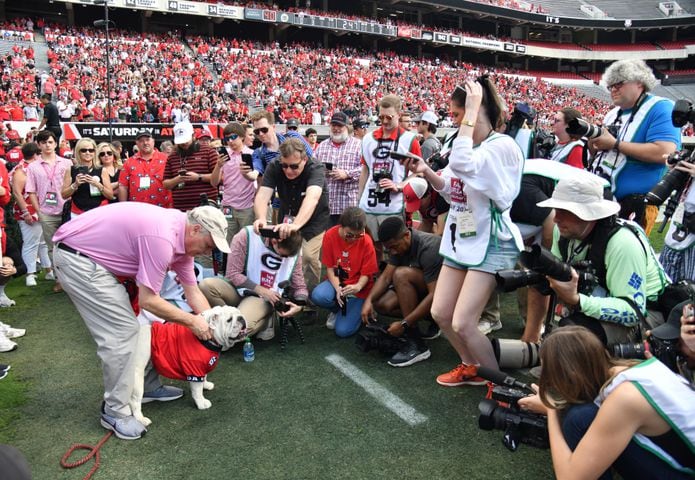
pixel 201 160
pixel 344 156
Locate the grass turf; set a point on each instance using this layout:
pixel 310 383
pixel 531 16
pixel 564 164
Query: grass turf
pixel 288 415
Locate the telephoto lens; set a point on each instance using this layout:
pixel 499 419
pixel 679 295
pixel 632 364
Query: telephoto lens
pixel 515 353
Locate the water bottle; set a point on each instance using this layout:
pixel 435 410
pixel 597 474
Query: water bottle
pixel 249 353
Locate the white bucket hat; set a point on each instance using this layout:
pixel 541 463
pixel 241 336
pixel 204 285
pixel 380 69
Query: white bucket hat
pixel 583 197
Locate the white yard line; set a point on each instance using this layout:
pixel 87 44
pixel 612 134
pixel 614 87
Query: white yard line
pixel 382 395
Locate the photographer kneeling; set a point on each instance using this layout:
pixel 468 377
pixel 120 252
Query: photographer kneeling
pixel 603 413
pixel 256 266
pixel 626 270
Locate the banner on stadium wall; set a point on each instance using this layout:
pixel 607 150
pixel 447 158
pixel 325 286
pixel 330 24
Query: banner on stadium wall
pixel 427 35
pixel 484 43
pixel 404 32
pixel 441 37
pixel 99 132
pixel 455 39
pixel 17 35
pixel 187 7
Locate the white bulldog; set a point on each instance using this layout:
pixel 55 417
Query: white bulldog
pixel 177 353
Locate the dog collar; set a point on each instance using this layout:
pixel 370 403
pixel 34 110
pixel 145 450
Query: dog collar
pixel 210 345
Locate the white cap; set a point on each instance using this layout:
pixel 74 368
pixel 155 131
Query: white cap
pixel 183 133
pixel 429 117
pixel 213 221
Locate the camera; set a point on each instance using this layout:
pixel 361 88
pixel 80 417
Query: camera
pixel 282 305
pixel 438 161
pixel 268 233
pixel 500 410
pixel 675 180
pixel 582 128
pixel 539 263
pixel 515 353
pixel 342 275
pixel 375 336
pixel 381 175
pixel 544 143
pixel 82 170
pixel 682 113
pixel 522 115
pixel 666 351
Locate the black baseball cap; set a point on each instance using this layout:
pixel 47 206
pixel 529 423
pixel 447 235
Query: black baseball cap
pixel 143 132
pixel 360 124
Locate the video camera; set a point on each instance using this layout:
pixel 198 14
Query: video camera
pixel 375 336
pixel 582 128
pixel 500 410
pixel 544 143
pixel 671 187
pixel 282 305
pixel 539 263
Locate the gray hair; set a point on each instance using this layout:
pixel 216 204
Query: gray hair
pixel 630 71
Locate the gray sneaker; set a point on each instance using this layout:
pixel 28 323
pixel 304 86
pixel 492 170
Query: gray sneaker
pixel 165 393
pixel 126 428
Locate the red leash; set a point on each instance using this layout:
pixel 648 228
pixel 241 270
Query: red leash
pixel 94 452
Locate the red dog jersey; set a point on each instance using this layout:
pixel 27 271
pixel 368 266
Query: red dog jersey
pixel 177 353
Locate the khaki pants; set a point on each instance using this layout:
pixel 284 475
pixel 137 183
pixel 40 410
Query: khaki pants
pixel 240 218
pixel 49 225
pixel 311 261
pixel 255 310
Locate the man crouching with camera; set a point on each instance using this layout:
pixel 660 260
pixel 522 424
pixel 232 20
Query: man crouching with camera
pixel 626 270
pixel 256 266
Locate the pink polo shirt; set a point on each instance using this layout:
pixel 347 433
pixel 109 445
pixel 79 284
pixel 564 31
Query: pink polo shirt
pixel 47 177
pixel 134 240
pixel 237 192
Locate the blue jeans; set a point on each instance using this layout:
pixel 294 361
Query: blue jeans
pixel 345 325
pixel 634 462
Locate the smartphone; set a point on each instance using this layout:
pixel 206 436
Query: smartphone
pixel 222 151
pixel 247 158
pixel 268 233
pixel 329 166
pixel 82 170
pixel 182 172
pixel 404 156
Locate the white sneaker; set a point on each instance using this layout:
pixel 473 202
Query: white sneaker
pixel 330 321
pixel 268 332
pixel 30 280
pixel 5 301
pixel 50 276
pixel 6 345
pixel 10 332
pixel 486 327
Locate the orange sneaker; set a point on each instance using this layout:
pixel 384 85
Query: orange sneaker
pixel 462 374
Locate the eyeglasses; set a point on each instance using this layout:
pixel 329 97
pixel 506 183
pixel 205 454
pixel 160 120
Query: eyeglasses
pixel 105 154
pixel 292 166
pixel 293 128
pixel 352 236
pixel 616 86
pixel 385 118
pixel 87 150
pixel 230 138
pixel 258 131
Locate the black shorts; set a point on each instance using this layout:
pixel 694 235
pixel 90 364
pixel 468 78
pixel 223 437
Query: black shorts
pixel 534 189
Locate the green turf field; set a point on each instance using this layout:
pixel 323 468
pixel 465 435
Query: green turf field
pixel 288 415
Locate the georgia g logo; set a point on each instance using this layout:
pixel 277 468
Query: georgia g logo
pixel 271 261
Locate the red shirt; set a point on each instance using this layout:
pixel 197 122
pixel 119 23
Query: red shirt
pixel 356 257
pixel 178 354
pixel 136 168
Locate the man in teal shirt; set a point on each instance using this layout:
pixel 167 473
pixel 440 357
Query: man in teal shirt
pixel 626 268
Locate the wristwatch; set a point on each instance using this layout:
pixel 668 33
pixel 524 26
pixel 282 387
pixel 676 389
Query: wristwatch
pixel 404 324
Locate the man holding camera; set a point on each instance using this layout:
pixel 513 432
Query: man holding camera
pixel 379 191
pixel 637 134
pixel 257 265
pixel 678 255
pixel 188 169
pixel 405 288
pixel 626 270
pixel 300 185
pixel 340 154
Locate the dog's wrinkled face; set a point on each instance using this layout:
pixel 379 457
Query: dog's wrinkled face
pixel 228 325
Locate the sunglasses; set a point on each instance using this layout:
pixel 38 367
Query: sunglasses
pixel 352 236
pixel 230 138
pixel 291 166
pixel 87 150
pixel 616 86
pixel 385 118
pixel 258 131
pixel 105 154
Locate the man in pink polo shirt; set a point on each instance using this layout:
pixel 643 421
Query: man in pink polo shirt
pixel 112 261
pixel 44 182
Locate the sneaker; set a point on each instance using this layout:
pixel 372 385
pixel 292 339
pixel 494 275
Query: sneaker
pixel 126 428
pixel 10 332
pixel 30 280
pixel 165 393
pixel 4 368
pixel 5 301
pixel 330 321
pixel 268 333
pixel 6 345
pixel 462 374
pixel 431 332
pixel 50 276
pixel 486 327
pixel 410 353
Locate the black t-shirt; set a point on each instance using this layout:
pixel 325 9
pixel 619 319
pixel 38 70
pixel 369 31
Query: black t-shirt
pixel 50 113
pixel 534 189
pixel 423 254
pixel 292 192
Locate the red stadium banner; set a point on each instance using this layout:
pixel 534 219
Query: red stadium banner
pixel 404 32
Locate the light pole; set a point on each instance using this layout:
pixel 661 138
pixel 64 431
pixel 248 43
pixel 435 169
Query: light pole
pixel 105 23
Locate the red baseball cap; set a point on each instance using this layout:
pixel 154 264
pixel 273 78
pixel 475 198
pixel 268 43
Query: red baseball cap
pixel 414 190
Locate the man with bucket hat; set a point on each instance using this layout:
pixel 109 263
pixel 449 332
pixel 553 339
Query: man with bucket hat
pixel 626 270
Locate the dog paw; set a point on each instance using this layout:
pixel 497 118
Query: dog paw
pixel 144 420
pixel 208 385
pixel 203 404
